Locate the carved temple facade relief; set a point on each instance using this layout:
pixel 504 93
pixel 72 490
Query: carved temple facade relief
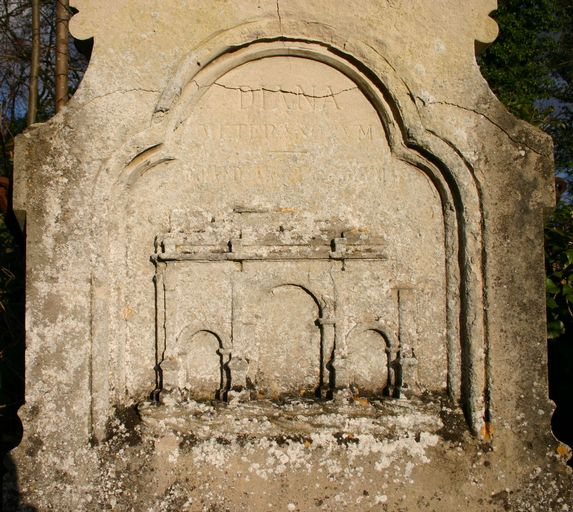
pixel 280 315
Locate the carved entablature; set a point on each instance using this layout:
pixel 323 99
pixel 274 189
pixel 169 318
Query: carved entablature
pixel 210 243
pixel 271 313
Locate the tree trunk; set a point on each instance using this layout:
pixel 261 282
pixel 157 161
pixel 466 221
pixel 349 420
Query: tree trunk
pixel 62 56
pixel 35 64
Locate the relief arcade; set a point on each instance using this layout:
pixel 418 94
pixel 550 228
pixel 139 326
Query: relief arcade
pixel 281 293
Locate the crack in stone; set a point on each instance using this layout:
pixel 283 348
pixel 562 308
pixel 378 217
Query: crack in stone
pixel 125 91
pixel 497 125
pixel 284 91
pixel 410 93
pixel 279 16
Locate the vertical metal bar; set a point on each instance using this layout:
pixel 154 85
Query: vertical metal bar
pixel 62 53
pixel 34 64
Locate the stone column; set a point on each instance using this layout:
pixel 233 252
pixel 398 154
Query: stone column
pixel 159 328
pixel 238 367
pixel 327 344
pixel 394 368
pixel 170 365
pixel 407 362
pixel 225 354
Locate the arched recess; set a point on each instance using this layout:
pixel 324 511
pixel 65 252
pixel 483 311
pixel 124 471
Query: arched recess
pixel 290 354
pixel 195 364
pixel 371 365
pixel 409 142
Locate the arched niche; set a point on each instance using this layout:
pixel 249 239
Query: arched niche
pixel 154 157
pixel 194 366
pixel 371 362
pixel 289 343
pixel 201 364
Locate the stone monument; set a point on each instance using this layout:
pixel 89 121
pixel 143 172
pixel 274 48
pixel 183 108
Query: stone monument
pixel 286 255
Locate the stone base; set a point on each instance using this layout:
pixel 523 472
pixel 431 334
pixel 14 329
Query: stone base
pixel 351 455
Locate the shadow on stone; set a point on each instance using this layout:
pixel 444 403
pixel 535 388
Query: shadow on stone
pixel 11 500
pixel 10 437
pixel 560 380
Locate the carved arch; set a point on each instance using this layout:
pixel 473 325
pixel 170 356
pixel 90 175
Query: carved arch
pixel 409 141
pixel 189 331
pixel 325 385
pixel 392 349
pixel 389 336
pixel 320 302
pixel 170 364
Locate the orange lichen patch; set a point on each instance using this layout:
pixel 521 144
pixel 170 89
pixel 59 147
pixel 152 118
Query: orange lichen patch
pixel 359 229
pixel 487 431
pixel 286 210
pixel 307 443
pixel 563 450
pixel 360 400
pixel 127 312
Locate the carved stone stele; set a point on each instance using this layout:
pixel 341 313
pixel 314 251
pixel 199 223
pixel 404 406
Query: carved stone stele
pixel 285 255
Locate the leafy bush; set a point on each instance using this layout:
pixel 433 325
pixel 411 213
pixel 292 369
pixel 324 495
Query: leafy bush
pixel 559 271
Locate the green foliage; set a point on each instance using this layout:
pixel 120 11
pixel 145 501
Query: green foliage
pixel 561 125
pixel 559 270
pixel 517 66
pixel 530 68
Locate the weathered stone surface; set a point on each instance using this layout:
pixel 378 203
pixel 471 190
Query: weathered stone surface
pixel 286 255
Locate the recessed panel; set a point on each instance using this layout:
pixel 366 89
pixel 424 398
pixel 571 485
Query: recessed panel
pixel 284 163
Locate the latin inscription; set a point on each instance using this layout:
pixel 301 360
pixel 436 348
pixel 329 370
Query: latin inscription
pixel 267 131
pixel 286 116
pixel 278 176
pixel 276 98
